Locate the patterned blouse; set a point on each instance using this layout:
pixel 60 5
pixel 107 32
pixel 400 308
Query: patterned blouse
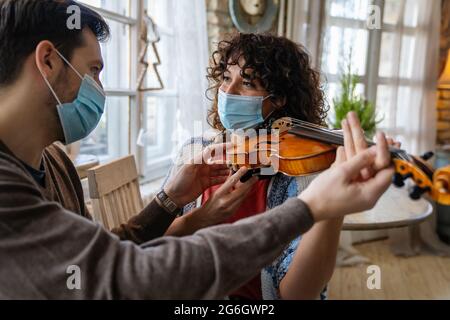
pixel 280 189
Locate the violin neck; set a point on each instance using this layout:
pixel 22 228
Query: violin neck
pixel 325 135
pixel 335 137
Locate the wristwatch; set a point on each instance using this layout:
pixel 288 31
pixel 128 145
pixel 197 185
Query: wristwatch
pixel 167 204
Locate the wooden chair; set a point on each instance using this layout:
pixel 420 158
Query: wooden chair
pixel 114 190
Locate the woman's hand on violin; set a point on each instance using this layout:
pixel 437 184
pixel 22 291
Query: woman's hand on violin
pixel 202 172
pixel 224 202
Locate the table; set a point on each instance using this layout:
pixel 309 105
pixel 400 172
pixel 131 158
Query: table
pixel 395 209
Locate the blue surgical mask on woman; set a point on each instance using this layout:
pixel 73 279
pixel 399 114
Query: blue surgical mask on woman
pixel 80 117
pixel 240 112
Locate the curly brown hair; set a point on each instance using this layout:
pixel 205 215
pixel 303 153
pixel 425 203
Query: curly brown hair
pixel 283 69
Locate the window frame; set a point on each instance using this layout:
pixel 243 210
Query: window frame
pixel 131 93
pixel 371 79
pixel 148 170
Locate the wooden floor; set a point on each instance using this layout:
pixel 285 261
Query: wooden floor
pixel 422 277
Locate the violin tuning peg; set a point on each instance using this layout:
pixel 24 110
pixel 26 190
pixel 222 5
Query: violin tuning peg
pixel 418 192
pixel 427 156
pixel 399 180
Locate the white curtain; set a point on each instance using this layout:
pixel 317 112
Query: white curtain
pixel 301 21
pixel 413 94
pixel 192 60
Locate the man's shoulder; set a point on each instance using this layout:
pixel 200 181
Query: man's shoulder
pixel 56 156
pixel 13 171
pixel 57 151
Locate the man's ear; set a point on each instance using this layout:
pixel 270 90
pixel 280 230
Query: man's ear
pixel 48 61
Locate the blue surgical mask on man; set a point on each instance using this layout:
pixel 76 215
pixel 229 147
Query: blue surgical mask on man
pixel 80 117
pixel 240 112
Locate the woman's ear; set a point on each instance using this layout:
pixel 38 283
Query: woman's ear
pixel 47 60
pixel 280 102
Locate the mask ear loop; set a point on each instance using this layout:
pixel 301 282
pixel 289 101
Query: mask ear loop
pixel 68 63
pixel 99 89
pixel 267 119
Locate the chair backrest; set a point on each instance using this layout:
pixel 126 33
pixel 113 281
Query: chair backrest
pixel 114 191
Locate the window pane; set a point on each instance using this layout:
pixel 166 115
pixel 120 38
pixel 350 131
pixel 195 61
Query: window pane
pixel 351 9
pixel 159 135
pixel 407 56
pixel 402 108
pixel 116 55
pixel 118 6
pixel 392 11
pixel 167 67
pixel 110 138
pixel 339 44
pixel 159 138
pixel 411 14
pixel 151 117
pixel 332 92
pixel 387 54
pixel 385 98
pixel 160 11
pixel 390 63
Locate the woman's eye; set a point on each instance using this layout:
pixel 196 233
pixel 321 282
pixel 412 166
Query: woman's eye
pixel 248 84
pixel 226 78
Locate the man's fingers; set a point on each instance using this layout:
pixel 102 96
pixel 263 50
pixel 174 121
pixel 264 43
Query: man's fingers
pixel 221 170
pixel 383 158
pixel 216 153
pixel 241 191
pixel 348 140
pixel 359 138
pixel 214 181
pixel 340 156
pixel 232 181
pixel 359 162
pixel 377 186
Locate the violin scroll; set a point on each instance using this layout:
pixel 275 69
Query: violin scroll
pixel 436 183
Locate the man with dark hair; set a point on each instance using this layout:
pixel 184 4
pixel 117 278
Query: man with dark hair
pixel 50 91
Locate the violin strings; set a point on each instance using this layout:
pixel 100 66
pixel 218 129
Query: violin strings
pixel 338 138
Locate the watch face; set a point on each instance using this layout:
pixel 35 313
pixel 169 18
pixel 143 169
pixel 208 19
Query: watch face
pixel 167 202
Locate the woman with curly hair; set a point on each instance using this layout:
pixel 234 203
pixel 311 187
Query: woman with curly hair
pixel 270 77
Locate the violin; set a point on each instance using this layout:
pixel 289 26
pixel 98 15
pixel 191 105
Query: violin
pixel 297 148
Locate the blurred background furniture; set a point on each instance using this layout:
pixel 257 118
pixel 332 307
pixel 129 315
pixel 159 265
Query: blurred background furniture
pixel 114 192
pixel 85 162
pixel 443 140
pixel 395 209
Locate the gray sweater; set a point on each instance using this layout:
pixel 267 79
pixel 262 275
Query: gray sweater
pixel 40 242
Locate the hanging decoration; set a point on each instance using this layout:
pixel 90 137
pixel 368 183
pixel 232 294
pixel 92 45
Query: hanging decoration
pixel 149 36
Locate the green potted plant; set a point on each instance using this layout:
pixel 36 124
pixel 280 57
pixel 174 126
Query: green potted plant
pixel 349 100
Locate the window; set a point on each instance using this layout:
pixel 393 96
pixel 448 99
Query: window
pixel 110 139
pixel 146 124
pixel 160 107
pixel 372 51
